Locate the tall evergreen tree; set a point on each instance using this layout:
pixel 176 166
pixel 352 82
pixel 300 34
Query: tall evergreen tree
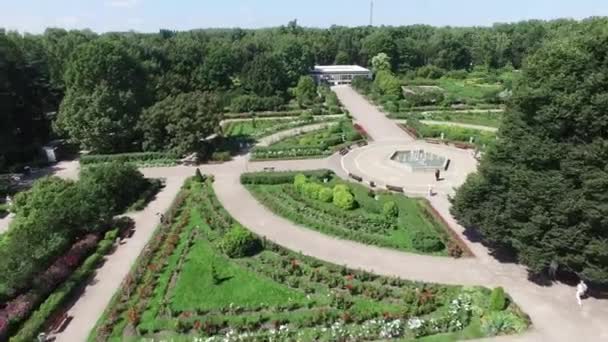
pixel 543 189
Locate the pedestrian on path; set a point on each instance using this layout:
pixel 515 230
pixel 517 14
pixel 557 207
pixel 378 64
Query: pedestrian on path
pixel 437 175
pixel 431 193
pixel 581 289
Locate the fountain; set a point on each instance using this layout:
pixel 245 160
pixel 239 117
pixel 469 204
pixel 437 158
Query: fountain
pixel 419 160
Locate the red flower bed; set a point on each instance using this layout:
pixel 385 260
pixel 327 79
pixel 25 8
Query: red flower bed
pixel 21 306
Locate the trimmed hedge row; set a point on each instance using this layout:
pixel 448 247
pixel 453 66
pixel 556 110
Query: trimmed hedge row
pixel 127 157
pixel 282 177
pixel 35 323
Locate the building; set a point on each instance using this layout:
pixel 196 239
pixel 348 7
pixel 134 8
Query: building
pixel 339 74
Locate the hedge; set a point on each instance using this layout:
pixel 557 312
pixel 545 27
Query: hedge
pixel 34 324
pixel 127 157
pixel 282 177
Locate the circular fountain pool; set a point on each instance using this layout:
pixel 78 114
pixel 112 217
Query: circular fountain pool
pixel 419 160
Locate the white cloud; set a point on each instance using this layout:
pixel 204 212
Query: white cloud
pixel 122 3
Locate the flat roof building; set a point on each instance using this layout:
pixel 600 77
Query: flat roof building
pixel 339 74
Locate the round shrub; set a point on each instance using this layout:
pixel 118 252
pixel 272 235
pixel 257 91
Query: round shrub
pixel 326 195
pixel 238 242
pixel 498 299
pixel 340 187
pixel 311 190
pixel 390 209
pixel 427 243
pixel 344 200
pixel 298 182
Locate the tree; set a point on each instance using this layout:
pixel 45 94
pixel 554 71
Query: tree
pixel 102 120
pixel 381 62
pixel 306 91
pixel 265 76
pixel 342 58
pixel 541 191
pixel 388 84
pixel 179 123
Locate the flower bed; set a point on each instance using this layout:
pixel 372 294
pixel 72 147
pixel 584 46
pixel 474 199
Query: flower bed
pixel 317 143
pixel 258 128
pixel 413 230
pixel 193 291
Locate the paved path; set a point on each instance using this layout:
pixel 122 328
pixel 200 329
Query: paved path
pixel 285 118
pixel 454 124
pixel 97 294
pixel 553 310
pixel 265 141
pixel 368 116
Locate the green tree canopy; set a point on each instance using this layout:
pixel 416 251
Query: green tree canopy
pixel 542 190
pixel 178 123
pixel 305 91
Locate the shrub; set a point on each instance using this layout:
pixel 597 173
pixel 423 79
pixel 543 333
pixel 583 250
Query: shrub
pixel 238 242
pixel 248 103
pixel 430 71
pixel 390 209
pixel 326 195
pixel 299 181
pixel 311 190
pixel 221 156
pixel 498 299
pixel 127 157
pixel 343 199
pixel 427 243
pixel 282 177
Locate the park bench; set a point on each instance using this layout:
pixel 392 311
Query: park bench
pixel 344 151
pixel 269 168
pixel 59 323
pixel 355 177
pixel 362 143
pixel 394 188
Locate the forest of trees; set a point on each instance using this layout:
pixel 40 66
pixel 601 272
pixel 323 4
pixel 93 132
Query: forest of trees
pixel 94 88
pixel 542 190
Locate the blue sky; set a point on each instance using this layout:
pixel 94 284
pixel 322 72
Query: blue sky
pixel 150 15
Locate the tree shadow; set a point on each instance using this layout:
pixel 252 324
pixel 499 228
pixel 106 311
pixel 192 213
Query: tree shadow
pixel 221 280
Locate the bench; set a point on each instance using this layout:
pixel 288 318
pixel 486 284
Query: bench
pixel 59 323
pixel 355 177
pixel 344 151
pixel 362 143
pixel 269 169
pixel 394 188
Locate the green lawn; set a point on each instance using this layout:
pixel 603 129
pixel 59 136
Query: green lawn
pixel 365 223
pixel 458 134
pixel 468 89
pixel 238 287
pixel 486 118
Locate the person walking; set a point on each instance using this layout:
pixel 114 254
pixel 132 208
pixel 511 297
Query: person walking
pixel 581 289
pixel 437 174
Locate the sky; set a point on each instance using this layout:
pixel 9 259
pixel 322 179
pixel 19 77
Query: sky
pixel 34 16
